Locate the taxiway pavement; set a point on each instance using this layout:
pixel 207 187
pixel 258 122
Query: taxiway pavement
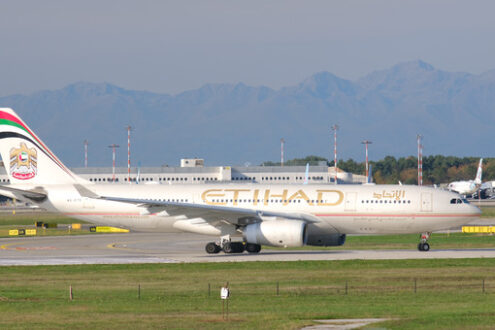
pixel 180 247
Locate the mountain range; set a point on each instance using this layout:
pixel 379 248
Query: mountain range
pixel 229 124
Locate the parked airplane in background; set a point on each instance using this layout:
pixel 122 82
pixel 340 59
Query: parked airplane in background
pixel 369 179
pixel 259 214
pixel 468 187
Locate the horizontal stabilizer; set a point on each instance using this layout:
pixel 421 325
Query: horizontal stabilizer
pixel 37 195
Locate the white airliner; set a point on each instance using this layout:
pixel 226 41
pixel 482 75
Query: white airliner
pixel 275 215
pixel 468 187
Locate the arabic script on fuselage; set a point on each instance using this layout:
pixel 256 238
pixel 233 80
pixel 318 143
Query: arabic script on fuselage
pixel 392 194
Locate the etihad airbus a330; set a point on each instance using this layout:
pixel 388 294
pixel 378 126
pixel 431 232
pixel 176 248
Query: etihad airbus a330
pixel 242 216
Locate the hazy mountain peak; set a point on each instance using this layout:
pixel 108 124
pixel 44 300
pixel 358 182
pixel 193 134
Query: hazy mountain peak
pixel 413 66
pixel 96 88
pixel 324 84
pixel 408 75
pixel 234 123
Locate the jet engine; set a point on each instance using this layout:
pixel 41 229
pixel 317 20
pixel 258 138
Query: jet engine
pixel 285 233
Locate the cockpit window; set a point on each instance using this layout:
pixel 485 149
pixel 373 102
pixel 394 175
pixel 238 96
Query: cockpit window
pixel 458 201
pixel 465 201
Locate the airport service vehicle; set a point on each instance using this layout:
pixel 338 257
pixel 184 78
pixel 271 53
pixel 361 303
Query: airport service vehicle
pixel 243 216
pixel 468 187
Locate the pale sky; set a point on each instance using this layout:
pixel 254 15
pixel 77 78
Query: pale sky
pixel 172 46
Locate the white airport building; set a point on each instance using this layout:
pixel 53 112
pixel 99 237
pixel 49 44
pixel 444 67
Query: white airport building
pixel 193 171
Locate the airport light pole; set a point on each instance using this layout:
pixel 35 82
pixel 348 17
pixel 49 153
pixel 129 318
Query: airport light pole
pixel 86 153
pixel 129 128
pixel 113 146
pixel 282 141
pixel 420 159
pixel 366 142
pixel 335 127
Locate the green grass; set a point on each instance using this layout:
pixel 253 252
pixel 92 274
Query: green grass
pixel 28 218
pixel 448 294
pixel 410 241
pixel 487 211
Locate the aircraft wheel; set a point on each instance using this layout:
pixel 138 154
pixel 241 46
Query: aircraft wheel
pixel 238 247
pixel 212 248
pixel 227 247
pixel 426 247
pixel 253 248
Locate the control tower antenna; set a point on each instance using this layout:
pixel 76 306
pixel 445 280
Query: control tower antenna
pixel 113 146
pixel 420 159
pixel 334 129
pixel 129 129
pixel 86 143
pixel 366 142
pixel 282 141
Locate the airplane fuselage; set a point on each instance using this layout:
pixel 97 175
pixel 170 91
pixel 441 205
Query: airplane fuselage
pixel 349 209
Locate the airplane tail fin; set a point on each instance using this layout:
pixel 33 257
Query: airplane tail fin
pixel 306 174
pixel 479 172
pixel 370 175
pixel 26 158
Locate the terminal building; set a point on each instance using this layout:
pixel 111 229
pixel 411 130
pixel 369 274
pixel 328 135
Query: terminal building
pixel 193 171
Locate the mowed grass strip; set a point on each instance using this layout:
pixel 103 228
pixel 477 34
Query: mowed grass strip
pixel 444 294
pixel 29 218
pixel 487 211
pixel 26 220
pixel 410 242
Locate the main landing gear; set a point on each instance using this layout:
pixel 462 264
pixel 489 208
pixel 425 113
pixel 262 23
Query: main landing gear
pixel 423 245
pixel 228 246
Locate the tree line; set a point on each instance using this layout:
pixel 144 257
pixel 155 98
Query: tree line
pixel 436 169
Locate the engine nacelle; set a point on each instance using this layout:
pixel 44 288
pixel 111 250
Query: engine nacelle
pixel 285 233
pixel 325 239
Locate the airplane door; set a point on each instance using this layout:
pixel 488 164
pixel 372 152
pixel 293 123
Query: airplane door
pixel 350 201
pixel 426 202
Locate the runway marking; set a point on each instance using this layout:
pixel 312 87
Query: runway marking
pixel 21 248
pixel 5 246
pixel 115 247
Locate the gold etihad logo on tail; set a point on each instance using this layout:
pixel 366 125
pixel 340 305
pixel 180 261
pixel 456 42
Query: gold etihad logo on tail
pixel 234 197
pixel 23 162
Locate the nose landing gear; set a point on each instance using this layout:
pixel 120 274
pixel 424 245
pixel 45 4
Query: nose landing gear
pixel 423 244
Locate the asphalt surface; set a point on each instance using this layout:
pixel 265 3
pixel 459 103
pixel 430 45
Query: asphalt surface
pixel 179 247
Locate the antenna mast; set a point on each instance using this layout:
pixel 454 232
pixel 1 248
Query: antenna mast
pixel 113 146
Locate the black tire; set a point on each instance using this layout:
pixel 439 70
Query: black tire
pixel 420 246
pixel 212 248
pixel 426 247
pixel 227 248
pixel 237 247
pixel 253 248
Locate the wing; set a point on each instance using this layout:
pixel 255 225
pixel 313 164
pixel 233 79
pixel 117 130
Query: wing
pixel 211 213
